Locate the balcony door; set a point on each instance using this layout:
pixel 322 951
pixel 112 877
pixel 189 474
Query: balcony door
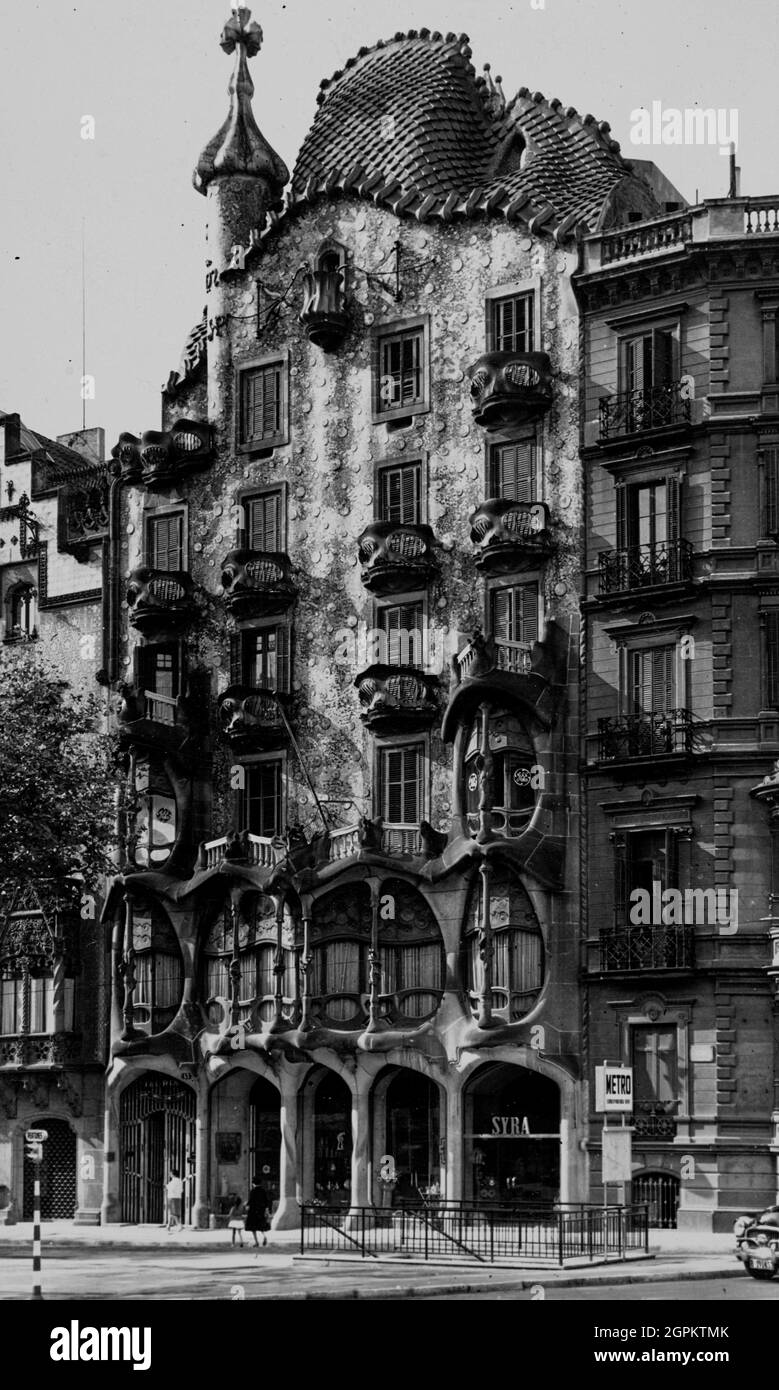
pixel 651 680
pixel 649 360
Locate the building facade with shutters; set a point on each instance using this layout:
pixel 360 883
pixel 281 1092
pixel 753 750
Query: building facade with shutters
pixel 53 1041
pixel 345 937
pixel 680 697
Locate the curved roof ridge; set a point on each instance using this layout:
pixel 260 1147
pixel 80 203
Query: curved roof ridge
pixel 461 42
pixel 599 130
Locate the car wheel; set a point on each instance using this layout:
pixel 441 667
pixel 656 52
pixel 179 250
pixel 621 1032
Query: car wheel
pixel 762 1273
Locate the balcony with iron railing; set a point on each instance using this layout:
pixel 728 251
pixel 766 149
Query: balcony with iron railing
pixel 653 1120
pixel 148 719
pixel 652 734
pixel 651 408
pixel 633 948
pixel 510 535
pixel 661 565
pixel 45 1050
pixel 324 314
pixel 257 583
pixel 395 556
pixel 159 600
pixel 493 654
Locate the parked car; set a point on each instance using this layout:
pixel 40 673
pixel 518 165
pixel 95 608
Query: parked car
pixel 757 1243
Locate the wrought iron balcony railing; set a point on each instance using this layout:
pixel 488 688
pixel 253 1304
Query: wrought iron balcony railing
pixel 651 1120
pixel 643 566
pixel 647 948
pixel 649 735
pixel 631 412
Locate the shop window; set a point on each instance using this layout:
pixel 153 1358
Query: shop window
pixel 399 493
pixel 511 323
pixel 263 405
pixel 165 541
pixel 158 971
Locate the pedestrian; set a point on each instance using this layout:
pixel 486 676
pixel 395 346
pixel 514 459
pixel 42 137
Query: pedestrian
pixel 257 1213
pixel 175 1192
pixel 236 1220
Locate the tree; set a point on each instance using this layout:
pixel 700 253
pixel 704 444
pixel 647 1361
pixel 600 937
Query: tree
pixel 56 781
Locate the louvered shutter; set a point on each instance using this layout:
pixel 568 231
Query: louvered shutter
pixel 664 352
pixel 282 659
pixel 623 538
pixel 620 879
pixel 502 607
pixel 411 786
pixel 393 793
pixel 770 492
pixel 672 509
pixel 527 612
pixel 236 662
pixel 512 471
pixel 663 684
pixel 772 659
pixel 409 506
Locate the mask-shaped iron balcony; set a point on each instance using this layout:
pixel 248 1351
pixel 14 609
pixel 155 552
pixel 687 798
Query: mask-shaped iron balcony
pixel 257 583
pixel 510 388
pixel 510 535
pixel 395 556
pixel 159 599
pixel 161 457
pixel 396 699
pixel 249 717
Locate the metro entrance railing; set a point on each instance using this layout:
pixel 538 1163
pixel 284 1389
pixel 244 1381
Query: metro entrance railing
pixel 484 1234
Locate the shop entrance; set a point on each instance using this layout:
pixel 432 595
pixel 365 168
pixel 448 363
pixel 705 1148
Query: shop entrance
pixel 57 1174
pixel 411 1143
pixel 265 1137
pixel 156 1135
pixel 512 1137
pixel 332 1140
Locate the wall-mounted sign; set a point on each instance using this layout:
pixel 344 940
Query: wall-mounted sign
pixel 616 1155
pixel 613 1090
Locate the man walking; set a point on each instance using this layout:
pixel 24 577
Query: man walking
pixel 175 1192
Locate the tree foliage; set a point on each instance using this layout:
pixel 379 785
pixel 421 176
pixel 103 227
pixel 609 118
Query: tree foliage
pixel 56 780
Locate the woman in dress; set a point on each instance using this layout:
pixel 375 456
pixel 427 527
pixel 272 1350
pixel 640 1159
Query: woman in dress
pixel 257 1213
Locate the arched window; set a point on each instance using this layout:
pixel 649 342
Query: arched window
pixel 340 937
pixel 331 257
pixel 158 971
pixel 411 954
pixel 517 945
pixel 513 759
pixel 21 613
pixel 257 944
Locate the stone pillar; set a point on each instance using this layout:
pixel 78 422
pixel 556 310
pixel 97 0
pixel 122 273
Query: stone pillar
pixel 361 1156
pixel 769 343
pixel 287 1216
pixel 454 1144
pixel 201 1206
pixel 110 1205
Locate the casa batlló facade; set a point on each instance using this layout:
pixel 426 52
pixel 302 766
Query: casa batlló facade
pixel 345 937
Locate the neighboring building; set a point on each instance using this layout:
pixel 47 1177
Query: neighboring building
pixel 680 703
pixel 53 1041
pixel 369 460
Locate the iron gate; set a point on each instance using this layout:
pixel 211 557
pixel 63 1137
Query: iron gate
pixel 156 1134
pixel 660 1193
pixel 57 1172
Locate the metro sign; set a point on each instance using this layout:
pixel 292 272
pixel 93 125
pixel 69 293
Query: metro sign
pixel 614 1089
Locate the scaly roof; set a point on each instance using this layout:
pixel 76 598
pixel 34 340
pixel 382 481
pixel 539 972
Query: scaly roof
pixel 408 124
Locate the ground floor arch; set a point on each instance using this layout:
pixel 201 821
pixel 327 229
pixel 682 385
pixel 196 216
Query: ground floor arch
pixel 58 1175
pixel 156 1135
pixel 408 1128
pixel 511 1136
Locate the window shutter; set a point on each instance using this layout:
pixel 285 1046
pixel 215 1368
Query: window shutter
pixel 512 471
pixel 409 507
pixel 527 595
pixel 620 879
pixel 501 615
pixel 411 760
pixel 144 668
pixel 664 346
pixel 663 684
pixel 770 459
pixel 672 509
pixel 282 659
pixel 236 663
pixel 393 797
pixel 623 540
pixel 772 658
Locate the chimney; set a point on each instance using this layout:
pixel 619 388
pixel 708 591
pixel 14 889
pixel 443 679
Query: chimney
pixel 90 443
pixel 12 426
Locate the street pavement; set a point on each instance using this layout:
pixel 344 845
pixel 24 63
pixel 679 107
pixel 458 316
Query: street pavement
pixel 129 1262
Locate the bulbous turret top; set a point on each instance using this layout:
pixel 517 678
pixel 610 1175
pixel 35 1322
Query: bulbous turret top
pixel 239 148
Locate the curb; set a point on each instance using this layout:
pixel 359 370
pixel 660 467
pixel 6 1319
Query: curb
pixel 441 1290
